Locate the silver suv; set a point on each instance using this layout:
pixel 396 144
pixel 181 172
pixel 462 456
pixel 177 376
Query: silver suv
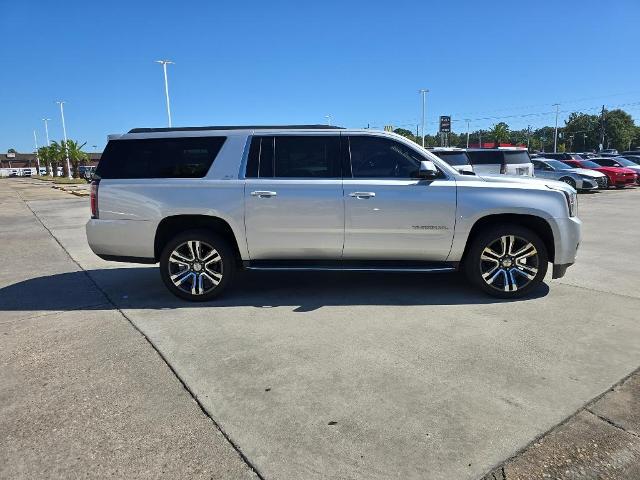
pixel 206 201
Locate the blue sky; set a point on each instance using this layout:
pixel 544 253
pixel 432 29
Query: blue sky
pixel 295 62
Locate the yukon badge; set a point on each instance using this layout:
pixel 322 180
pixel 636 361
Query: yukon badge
pixel 429 227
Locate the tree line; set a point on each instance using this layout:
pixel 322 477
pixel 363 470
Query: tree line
pixel 581 132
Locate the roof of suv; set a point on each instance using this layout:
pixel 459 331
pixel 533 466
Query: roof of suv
pixel 236 127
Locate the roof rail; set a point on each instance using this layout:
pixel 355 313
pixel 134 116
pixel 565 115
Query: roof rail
pixel 236 127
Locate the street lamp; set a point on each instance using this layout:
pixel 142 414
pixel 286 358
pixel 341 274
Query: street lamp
pixel 555 135
pixel 46 131
pixel 423 92
pixel 64 134
pixel 35 140
pixel 328 117
pixel 164 64
pixel 467 120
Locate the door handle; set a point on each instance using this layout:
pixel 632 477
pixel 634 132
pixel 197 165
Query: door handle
pixel 362 194
pixel 263 194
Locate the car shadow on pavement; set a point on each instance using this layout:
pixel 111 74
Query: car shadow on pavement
pixel 141 288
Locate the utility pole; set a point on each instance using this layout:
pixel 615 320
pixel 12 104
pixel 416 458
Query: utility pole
pixel 584 142
pixel 467 120
pixel 64 133
pixel 480 138
pixel 35 140
pixel 602 129
pixel 555 135
pixel 423 92
pixel 328 117
pixel 164 64
pixel 528 136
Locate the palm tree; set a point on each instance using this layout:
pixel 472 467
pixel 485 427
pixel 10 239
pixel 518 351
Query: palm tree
pixel 76 156
pixel 500 133
pixel 58 156
pixel 45 156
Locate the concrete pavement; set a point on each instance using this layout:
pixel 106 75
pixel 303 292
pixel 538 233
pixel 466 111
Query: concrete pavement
pixel 373 375
pixel 82 393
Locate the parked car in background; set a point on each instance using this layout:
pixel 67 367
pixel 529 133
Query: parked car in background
pixel 561 156
pixel 205 201
pixel 605 155
pixel 619 162
pixel 609 151
pixel 618 177
pixel 456 157
pixel 631 152
pixel 500 161
pixel 86 171
pixel 632 158
pixel 578 178
pixel 586 155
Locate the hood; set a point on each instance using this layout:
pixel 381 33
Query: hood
pixel 587 173
pixel 614 170
pixel 531 181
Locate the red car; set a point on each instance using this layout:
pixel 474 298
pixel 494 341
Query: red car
pixel 618 177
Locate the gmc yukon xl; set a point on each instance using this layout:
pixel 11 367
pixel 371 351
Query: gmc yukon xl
pixel 204 202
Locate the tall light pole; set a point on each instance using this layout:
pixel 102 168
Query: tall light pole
pixel 423 92
pixel 164 64
pixel 328 117
pixel 467 120
pixel 46 129
pixel 46 132
pixel 555 135
pixel 35 140
pixel 64 134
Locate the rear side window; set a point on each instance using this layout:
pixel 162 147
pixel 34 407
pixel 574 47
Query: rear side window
pixel 490 157
pixel 294 156
pixel 515 158
pixel 189 157
pixel 605 162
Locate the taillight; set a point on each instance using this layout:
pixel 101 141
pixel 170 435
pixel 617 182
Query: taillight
pixel 94 198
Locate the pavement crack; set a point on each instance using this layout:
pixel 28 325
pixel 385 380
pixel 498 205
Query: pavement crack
pixel 611 422
pixel 110 301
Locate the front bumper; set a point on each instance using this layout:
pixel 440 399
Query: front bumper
pixel 567 236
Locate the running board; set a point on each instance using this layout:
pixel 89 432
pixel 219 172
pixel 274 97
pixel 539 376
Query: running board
pixel 350 266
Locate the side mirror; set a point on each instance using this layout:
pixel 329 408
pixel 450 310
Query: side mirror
pixel 427 170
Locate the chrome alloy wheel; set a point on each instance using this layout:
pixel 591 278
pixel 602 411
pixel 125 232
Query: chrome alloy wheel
pixel 509 263
pixel 195 267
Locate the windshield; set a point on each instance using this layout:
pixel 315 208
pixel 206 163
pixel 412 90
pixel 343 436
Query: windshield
pixel 454 158
pixel 557 165
pixel 625 162
pixel 590 164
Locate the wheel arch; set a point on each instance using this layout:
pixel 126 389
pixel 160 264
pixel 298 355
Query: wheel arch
pixel 535 223
pixel 171 226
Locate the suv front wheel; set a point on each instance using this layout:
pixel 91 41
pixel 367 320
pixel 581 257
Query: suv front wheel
pixel 507 261
pixel 197 265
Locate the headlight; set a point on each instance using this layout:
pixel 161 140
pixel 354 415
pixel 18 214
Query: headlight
pixel 571 198
pixel 572 203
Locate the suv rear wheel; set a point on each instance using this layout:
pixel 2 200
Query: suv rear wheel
pixel 507 261
pixel 197 265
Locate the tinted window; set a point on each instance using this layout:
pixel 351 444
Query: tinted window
pixel 605 162
pixel 489 157
pixel 518 157
pixel 557 165
pixel 589 164
pixel 306 156
pixel 159 157
pixel 376 157
pixel 453 158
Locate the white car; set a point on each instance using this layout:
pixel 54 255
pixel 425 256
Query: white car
pixel 501 161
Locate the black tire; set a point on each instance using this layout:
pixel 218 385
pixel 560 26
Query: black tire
pixel 197 276
pixel 569 181
pixel 514 269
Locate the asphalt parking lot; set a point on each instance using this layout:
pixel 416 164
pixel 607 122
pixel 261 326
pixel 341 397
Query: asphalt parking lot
pixel 298 375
